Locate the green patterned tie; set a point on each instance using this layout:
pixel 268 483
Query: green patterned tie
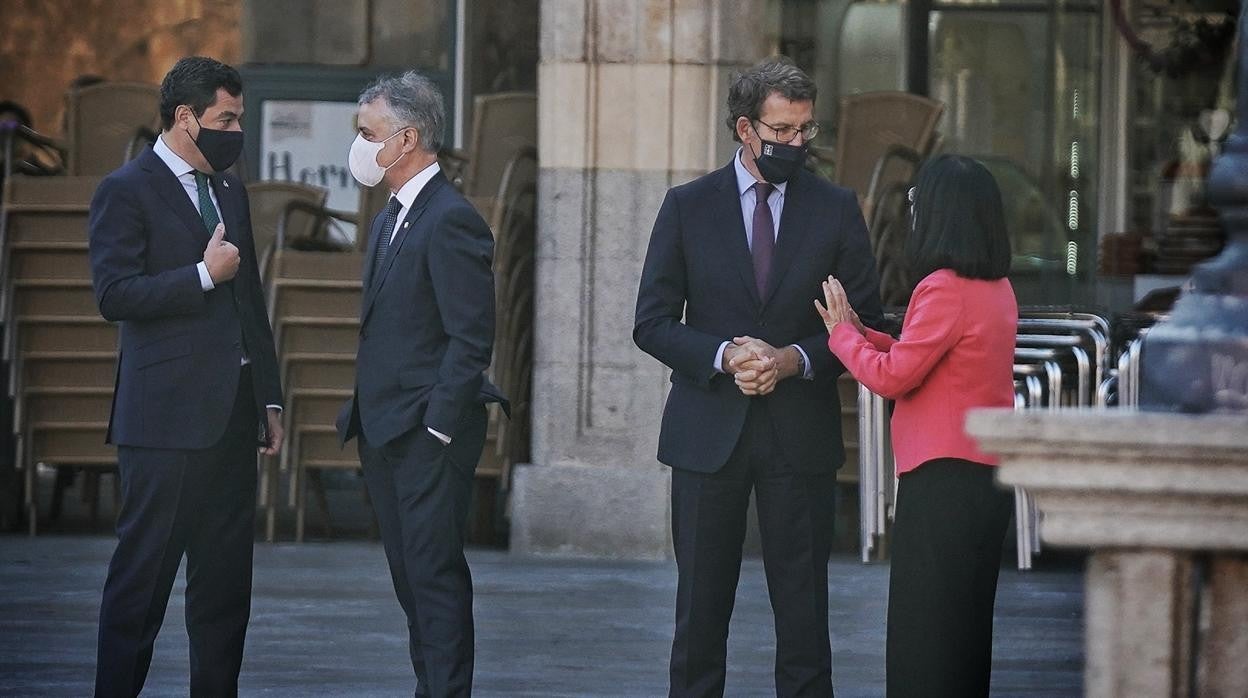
pixel 207 211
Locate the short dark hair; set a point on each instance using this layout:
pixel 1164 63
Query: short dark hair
pixel 750 88
pixel 959 221
pixel 194 81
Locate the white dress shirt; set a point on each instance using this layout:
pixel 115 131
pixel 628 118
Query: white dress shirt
pixel 186 177
pixel 407 196
pixel 775 201
pixel 409 191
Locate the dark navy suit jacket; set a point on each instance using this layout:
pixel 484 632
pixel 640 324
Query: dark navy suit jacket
pixel 427 322
pixel 698 290
pixel 180 347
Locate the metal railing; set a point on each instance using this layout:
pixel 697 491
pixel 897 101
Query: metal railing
pixel 1062 359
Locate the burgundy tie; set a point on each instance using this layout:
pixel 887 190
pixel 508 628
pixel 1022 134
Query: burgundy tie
pixel 763 236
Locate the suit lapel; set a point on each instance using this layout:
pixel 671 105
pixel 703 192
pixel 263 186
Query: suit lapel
pixel 795 224
pixel 227 209
pixel 401 233
pixel 374 232
pixel 409 221
pixel 729 219
pixel 171 190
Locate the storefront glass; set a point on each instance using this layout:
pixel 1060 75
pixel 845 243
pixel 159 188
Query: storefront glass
pixel 1181 113
pixel 1020 86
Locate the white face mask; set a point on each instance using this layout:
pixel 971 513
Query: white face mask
pixel 362 160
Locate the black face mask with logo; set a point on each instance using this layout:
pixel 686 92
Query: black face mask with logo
pixel 219 148
pixel 778 162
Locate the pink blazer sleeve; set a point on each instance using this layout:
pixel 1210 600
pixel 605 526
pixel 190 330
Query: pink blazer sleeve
pixel 880 340
pixel 894 368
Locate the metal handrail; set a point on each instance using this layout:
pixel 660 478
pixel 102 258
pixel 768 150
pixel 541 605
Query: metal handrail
pixel 1048 360
pixel 1104 389
pixel 1083 328
pixel 1072 344
pixel 876 471
pixel 1045 341
pixel 868 483
pixel 1094 318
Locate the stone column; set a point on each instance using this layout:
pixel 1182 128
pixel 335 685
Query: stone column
pixel 1162 501
pixel 631 100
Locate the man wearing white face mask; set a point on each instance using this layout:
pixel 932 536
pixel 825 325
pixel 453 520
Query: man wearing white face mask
pixel 426 336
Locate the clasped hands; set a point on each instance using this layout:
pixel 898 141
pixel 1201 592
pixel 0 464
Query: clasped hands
pixel 756 366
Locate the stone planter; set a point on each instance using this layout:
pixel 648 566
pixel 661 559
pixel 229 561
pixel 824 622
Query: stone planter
pixel 1162 502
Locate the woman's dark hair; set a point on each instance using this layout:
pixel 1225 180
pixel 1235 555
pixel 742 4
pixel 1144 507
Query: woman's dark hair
pixel 958 221
pixel 193 81
pixel 750 88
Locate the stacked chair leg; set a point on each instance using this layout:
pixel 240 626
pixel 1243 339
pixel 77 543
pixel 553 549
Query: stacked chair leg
pixel 314 304
pixel 1063 358
pixel 61 354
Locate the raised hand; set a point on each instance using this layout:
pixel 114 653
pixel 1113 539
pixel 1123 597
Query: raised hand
pixel 837 308
pixel 221 257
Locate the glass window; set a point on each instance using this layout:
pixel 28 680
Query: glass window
pixel 1021 87
pixel 1181 114
pixel 1019 82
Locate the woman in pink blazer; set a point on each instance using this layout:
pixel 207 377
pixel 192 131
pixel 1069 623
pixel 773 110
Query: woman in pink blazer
pixel 955 354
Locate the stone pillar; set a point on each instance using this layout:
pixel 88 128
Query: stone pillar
pixel 631 101
pixel 1162 501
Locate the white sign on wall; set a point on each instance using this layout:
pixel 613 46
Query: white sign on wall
pixel 307 142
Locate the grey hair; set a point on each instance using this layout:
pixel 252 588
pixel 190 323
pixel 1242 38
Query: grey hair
pixel 414 100
pixel 750 88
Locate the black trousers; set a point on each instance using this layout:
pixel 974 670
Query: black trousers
pixel 201 503
pixel 420 491
pixel 795 516
pixel 951 520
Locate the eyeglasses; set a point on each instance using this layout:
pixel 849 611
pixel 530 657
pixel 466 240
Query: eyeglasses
pixel 786 133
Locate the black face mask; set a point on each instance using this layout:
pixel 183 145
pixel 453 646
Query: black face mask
pixel 219 148
pixel 779 161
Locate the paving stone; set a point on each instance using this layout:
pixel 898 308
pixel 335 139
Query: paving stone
pixel 325 623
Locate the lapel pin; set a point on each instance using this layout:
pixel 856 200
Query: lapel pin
pixel 225 184
pixel 405 224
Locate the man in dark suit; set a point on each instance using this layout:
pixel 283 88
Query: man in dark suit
pixel 735 262
pixel 173 263
pixel 426 336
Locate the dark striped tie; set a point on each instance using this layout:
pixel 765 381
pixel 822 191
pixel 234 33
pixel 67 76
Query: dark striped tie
pixel 207 211
pixel 762 237
pixel 388 221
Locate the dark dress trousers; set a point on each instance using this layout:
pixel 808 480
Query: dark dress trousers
pixel 186 418
pixel 697 290
pixel 426 337
pixel 942 585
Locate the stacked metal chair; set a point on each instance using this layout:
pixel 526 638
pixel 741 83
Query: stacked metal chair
pixel 1063 358
pixel 877 475
pixel 314 305
pixel 1060 360
pixel 61 355
pixel 282 211
pixel 105 121
pixel 512 219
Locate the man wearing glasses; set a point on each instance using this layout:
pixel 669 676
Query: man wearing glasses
pixel 726 301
